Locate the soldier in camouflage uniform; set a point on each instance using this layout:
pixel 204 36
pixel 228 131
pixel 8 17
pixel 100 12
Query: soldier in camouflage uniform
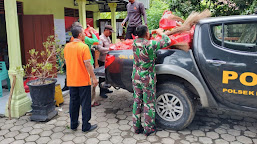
pixel 144 78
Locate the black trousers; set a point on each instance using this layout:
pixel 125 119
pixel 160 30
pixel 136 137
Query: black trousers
pixel 130 31
pixel 80 96
pixel 102 90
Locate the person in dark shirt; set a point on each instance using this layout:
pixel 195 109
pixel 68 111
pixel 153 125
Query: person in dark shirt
pixel 135 12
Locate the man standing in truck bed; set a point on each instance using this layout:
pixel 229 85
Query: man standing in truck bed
pixel 144 78
pixel 135 12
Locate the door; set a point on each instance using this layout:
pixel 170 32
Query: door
pixel 228 62
pixel 36 29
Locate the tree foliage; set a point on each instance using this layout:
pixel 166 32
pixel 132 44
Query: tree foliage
pixel 154 13
pixel 105 15
pixel 183 8
pixel 108 15
pixel 217 7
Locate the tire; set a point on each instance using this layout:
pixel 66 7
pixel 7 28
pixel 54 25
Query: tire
pixel 179 105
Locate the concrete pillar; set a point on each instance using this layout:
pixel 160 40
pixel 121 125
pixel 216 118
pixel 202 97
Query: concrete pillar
pixel 113 10
pixel 82 13
pixel 96 16
pixel 20 103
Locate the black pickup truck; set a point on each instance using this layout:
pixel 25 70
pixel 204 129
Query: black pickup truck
pixel 219 70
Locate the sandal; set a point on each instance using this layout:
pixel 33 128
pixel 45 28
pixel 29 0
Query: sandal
pixel 95 104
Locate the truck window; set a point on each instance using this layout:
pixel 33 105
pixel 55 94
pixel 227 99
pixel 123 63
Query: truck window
pixel 237 36
pixel 217 34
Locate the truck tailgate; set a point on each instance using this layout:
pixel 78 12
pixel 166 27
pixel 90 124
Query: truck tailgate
pixel 119 66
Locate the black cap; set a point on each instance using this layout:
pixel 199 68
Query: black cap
pixel 109 27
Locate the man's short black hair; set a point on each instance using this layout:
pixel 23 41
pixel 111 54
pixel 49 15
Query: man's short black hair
pixel 141 31
pixel 76 30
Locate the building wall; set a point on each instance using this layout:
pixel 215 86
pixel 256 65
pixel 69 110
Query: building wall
pixel 55 7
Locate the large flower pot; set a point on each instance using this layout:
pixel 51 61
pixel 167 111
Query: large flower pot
pixel 43 103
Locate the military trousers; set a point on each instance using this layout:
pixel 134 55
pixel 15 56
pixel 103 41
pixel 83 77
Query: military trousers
pixel 144 101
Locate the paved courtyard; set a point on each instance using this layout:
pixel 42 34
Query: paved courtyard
pixel 114 119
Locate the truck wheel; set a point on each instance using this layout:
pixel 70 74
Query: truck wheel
pixel 174 106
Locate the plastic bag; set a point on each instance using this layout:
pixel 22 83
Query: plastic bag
pixel 166 23
pixel 192 31
pixel 182 38
pixel 112 47
pixel 88 34
pixel 125 45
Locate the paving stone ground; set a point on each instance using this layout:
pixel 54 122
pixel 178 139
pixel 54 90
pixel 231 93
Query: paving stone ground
pixel 114 119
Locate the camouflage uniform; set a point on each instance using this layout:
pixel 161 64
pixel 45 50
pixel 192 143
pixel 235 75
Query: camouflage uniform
pixel 144 80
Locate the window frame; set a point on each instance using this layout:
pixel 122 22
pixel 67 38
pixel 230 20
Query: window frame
pixel 214 39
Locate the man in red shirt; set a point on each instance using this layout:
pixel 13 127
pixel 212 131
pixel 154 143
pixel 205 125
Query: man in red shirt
pixel 79 70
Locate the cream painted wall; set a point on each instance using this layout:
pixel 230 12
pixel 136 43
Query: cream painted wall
pixel 55 7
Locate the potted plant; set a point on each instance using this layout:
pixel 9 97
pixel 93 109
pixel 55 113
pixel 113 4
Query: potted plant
pixel 42 66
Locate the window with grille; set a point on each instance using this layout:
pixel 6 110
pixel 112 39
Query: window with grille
pixel 19 7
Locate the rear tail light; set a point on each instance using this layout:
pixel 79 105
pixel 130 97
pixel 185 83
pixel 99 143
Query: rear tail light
pixel 109 60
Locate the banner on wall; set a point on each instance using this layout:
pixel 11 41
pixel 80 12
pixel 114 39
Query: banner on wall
pixel 68 24
pixel 70 20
